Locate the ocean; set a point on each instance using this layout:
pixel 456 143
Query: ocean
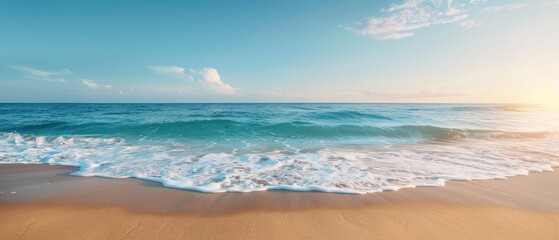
pixel 342 148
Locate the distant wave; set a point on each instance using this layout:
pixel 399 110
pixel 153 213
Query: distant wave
pixel 297 129
pixel 345 148
pixel 347 115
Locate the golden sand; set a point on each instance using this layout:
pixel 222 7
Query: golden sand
pixel 49 204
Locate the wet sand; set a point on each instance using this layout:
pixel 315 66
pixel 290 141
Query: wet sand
pixel 44 202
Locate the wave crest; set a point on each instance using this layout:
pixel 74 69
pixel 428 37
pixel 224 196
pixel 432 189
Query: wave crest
pixel 329 170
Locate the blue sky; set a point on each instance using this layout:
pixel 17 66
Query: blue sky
pixel 280 51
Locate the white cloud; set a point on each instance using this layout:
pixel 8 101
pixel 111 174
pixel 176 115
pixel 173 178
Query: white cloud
pixel 406 5
pixel 511 6
pixel 472 23
pixel 168 70
pixel 404 18
pixel 44 75
pixel 91 84
pixel 211 78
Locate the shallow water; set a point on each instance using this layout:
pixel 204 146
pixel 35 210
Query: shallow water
pixel 348 148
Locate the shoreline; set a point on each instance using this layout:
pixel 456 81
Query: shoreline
pixel 524 206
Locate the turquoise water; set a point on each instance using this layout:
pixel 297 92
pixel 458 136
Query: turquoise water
pixel 349 148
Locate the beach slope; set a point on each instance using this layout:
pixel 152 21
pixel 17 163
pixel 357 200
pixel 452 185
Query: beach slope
pixel 44 202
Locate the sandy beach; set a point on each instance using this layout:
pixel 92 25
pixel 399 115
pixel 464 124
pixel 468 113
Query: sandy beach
pixel 45 202
pixel 265 120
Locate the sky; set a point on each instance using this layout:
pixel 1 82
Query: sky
pixel 439 51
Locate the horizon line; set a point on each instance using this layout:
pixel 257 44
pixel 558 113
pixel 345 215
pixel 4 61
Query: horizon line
pixel 481 103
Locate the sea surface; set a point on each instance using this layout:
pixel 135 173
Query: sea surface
pixel 343 148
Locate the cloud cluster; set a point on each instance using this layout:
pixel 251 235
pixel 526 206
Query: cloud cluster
pixel 53 76
pixel 91 84
pixel 401 20
pixel 404 18
pixel 208 77
pixel 211 78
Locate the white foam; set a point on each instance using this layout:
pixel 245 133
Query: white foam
pixel 327 170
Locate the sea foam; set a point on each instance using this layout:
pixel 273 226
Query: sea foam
pixel 327 170
pixel 343 148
